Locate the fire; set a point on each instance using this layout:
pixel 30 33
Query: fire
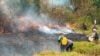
pixel 27 24
pixel 1 30
pixel 70 26
pixel 21 18
pixel 35 25
pixel 21 24
pixel 53 26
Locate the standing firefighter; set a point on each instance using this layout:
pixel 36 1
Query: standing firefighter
pixel 65 44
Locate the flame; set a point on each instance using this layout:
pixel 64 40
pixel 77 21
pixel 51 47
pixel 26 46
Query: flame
pixel 22 28
pixel 70 26
pixel 45 28
pixel 21 18
pixel 1 30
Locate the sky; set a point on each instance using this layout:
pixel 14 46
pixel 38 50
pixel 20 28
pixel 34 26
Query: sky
pixel 59 2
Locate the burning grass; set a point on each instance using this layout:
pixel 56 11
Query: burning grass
pixel 80 49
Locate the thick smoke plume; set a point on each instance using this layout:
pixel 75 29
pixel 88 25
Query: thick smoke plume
pixel 25 14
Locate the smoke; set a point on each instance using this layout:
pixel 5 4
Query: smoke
pixel 18 9
pixel 24 14
pixel 10 7
pixel 48 30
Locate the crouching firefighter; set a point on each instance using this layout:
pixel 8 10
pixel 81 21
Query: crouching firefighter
pixel 65 44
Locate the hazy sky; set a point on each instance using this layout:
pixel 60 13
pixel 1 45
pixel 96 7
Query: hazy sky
pixel 59 2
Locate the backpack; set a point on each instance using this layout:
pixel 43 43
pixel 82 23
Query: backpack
pixel 96 36
pixel 64 40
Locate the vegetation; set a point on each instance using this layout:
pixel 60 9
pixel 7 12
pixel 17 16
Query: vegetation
pixel 85 11
pixel 80 49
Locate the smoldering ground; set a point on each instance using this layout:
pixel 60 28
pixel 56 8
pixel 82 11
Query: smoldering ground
pixel 22 45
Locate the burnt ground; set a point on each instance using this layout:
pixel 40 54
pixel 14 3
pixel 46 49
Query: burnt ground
pixel 77 37
pixel 23 44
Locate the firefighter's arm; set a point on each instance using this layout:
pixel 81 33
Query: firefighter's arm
pixel 93 35
pixel 59 38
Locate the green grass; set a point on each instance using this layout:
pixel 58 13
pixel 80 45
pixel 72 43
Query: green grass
pixel 80 49
pixel 49 53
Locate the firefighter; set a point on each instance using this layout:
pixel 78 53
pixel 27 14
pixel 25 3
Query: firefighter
pixel 65 43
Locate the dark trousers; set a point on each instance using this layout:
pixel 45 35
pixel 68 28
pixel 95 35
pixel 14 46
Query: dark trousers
pixel 69 47
pixel 66 47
